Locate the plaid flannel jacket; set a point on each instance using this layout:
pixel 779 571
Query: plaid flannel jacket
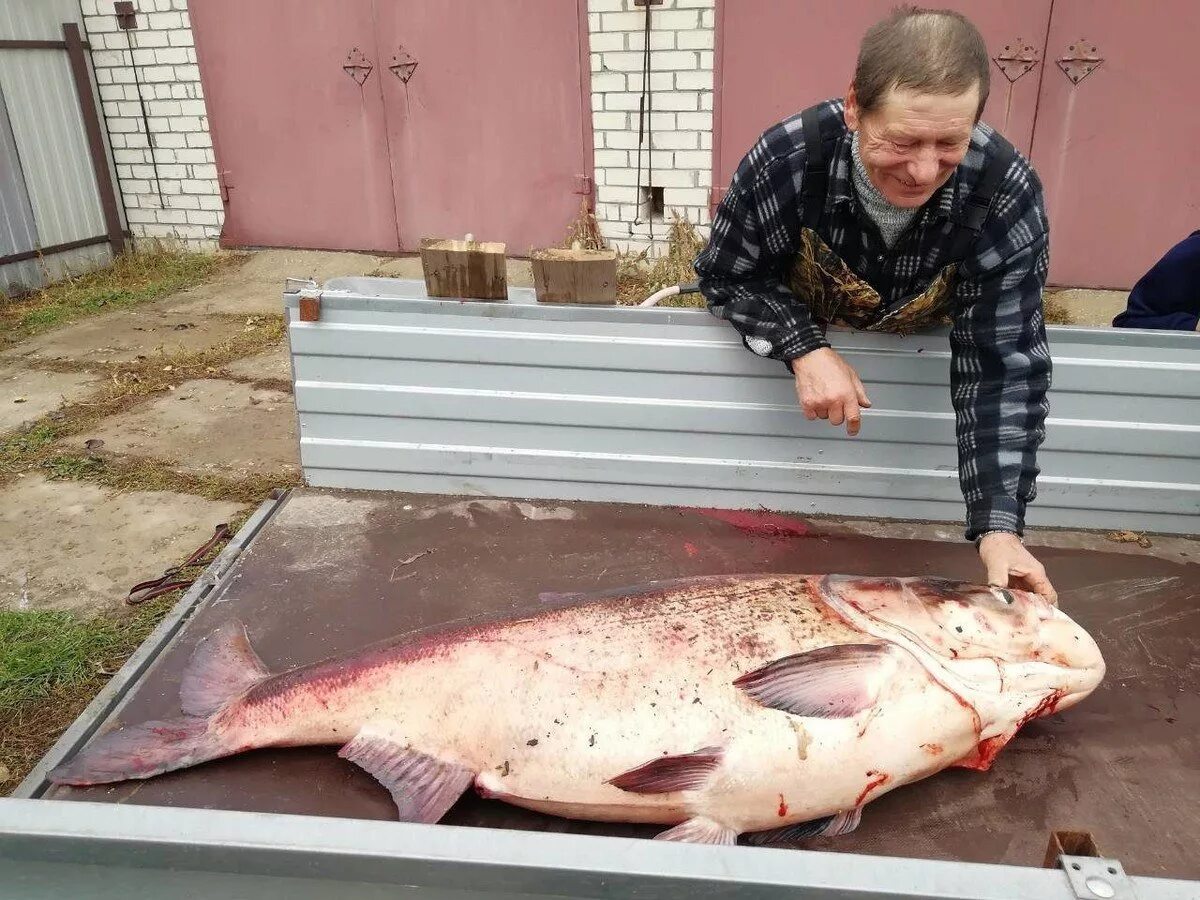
pixel 1000 363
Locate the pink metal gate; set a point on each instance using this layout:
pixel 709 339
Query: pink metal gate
pixel 1118 191
pixel 351 124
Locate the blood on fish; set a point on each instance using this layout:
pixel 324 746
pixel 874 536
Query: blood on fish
pixel 933 749
pixel 690 549
pixel 783 807
pixel 878 779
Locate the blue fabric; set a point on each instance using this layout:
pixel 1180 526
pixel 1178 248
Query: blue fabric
pixel 1168 296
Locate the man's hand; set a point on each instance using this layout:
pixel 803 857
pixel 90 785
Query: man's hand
pixel 1009 564
pixel 828 388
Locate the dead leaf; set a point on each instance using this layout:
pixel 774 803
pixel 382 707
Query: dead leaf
pixel 93 444
pixel 1129 537
pixel 168 368
pixel 4 773
pixel 18 400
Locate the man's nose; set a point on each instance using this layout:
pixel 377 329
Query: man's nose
pixel 924 167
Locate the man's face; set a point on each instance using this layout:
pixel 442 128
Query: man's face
pixel 912 142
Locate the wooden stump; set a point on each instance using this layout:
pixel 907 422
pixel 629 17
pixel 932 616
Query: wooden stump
pixel 473 270
pixel 575 276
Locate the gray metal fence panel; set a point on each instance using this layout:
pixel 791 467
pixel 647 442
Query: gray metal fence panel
pixel 50 143
pixel 667 406
pixel 18 232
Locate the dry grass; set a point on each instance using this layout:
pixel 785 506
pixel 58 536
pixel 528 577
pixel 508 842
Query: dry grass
pixel 640 274
pixel 1053 310
pixel 134 278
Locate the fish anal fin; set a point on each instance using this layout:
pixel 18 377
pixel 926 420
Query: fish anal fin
pixel 222 666
pixel 833 682
pixel 699 831
pixel 826 826
pixel 423 786
pixel 685 772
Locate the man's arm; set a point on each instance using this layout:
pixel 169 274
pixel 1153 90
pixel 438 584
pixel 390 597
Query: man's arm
pixel 1000 375
pixel 740 278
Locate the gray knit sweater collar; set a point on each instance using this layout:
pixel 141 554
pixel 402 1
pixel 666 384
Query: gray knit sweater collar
pixel 891 220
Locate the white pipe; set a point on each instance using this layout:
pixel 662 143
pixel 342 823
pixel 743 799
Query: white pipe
pixel 661 295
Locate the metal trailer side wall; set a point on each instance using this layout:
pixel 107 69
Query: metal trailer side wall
pixel 666 406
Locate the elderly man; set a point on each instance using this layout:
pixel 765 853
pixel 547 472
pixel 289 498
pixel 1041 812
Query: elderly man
pixel 893 210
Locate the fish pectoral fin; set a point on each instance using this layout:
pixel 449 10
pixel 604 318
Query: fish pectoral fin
pixel 222 666
pixel 670 773
pixel 826 826
pixel 699 831
pixel 828 683
pixel 423 786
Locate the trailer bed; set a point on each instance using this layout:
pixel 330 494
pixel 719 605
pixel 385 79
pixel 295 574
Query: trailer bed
pixel 331 571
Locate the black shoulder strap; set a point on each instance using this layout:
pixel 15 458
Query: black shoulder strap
pixel 816 169
pixel 979 202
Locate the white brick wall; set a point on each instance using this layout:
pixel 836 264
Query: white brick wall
pixel 680 147
pixel 190 208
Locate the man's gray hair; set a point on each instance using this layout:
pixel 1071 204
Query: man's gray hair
pixel 936 51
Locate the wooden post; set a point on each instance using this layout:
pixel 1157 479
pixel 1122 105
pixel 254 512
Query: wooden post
pixel 472 270
pixel 575 276
pixel 91 127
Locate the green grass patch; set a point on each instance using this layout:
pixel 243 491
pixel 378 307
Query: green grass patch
pixel 132 279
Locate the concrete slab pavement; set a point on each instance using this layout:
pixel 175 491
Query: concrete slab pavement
pixel 207 425
pixel 27 395
pixel 73 545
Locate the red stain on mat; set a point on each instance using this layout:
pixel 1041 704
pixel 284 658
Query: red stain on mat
pixel 759 524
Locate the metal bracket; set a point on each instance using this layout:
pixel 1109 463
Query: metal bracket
pixel 357 66
pixel 302 284
pixel 1081 62
pixel 585 185
pixel 1095 878
pixel 403 64
pixel 1016 59
pixel 126 15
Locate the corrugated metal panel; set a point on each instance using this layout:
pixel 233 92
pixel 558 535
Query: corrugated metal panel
pixel 667 406
pixel 18 233
pixel 50 140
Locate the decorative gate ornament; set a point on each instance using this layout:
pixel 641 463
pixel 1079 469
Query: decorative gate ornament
pixel 1080 61
pixel 1016 59
pixel 403 64
pixel 357 66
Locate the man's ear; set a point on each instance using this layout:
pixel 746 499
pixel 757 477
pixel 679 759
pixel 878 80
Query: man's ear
pixel 851 111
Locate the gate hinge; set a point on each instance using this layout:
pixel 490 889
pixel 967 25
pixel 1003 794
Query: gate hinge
pixel 715 196
pixel 1096 878
pixel 224 183
pixel 585 185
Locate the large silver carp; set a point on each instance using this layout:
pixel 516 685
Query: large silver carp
pixel 774 706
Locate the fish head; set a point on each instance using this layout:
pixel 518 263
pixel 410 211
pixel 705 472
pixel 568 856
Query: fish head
pixel 1011 652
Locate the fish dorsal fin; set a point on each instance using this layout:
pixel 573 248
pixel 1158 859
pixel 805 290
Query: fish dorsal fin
pixel 223 665
pixel 685 772
pixel 423 786
pixel 828 683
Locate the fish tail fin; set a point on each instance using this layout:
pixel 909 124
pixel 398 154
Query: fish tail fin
pixel 222 668
pixel 141 751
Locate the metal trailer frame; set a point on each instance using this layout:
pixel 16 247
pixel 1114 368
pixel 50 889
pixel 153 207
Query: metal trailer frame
pixel 48 849
pixel 659 405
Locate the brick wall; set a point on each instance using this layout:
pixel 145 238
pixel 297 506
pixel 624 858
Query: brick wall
pixel 680 146
pixel 179 143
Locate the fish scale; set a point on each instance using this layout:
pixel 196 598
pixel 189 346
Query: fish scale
pixel 776 706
